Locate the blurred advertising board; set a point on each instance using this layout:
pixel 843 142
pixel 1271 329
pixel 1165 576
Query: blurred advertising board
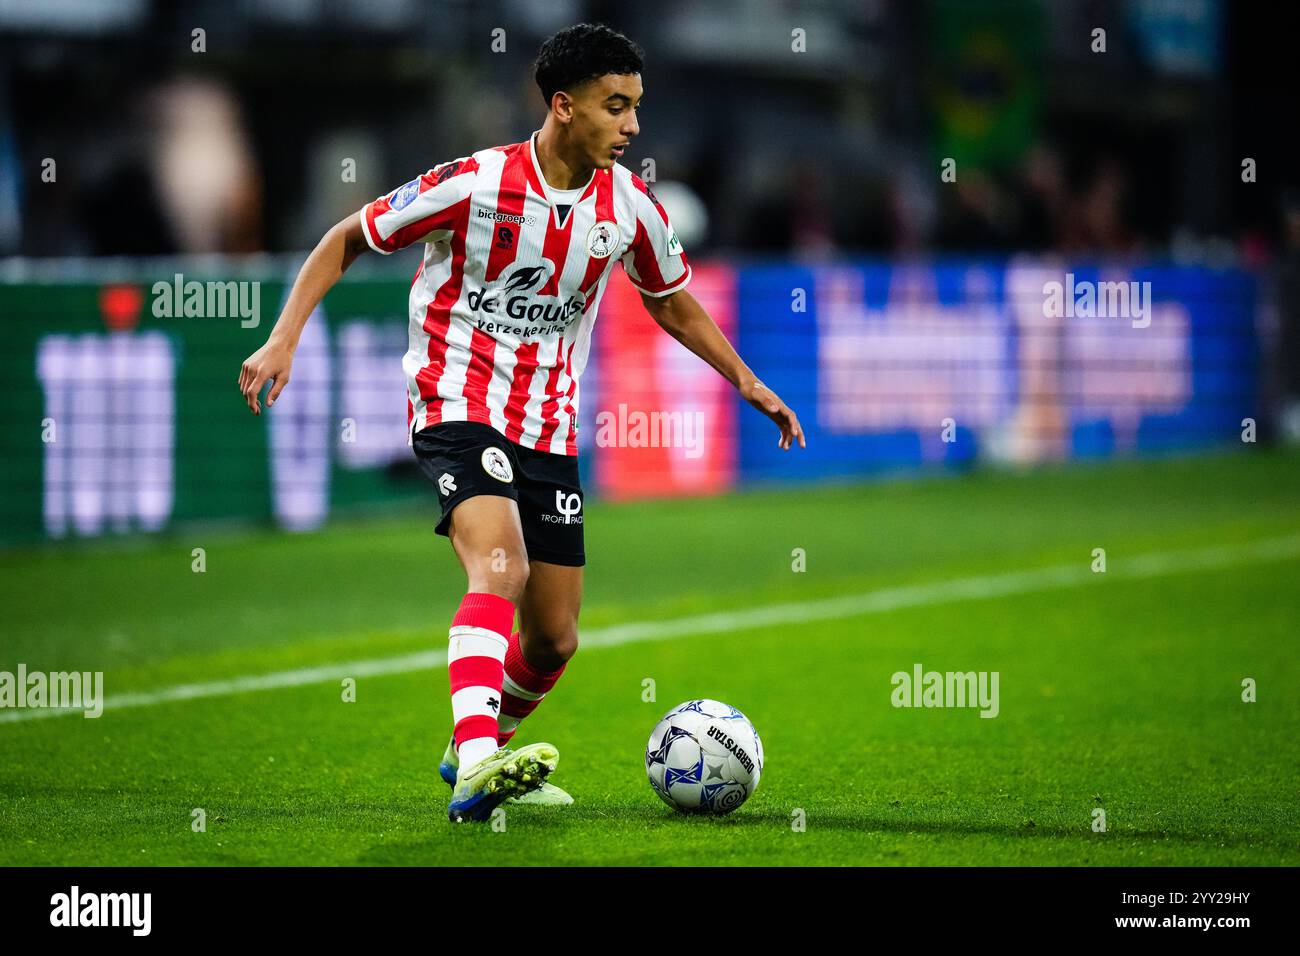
pixel 665 422
pixel 894 366
pixel 122 413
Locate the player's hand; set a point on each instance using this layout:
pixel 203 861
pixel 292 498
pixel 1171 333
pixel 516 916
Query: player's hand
pixel 770 404
pixel 270 363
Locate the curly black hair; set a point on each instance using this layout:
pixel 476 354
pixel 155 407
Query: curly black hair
pixel 581 53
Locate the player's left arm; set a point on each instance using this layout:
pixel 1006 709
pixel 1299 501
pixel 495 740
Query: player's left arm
pixel 681 316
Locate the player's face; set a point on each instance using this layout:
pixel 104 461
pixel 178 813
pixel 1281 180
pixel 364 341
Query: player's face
pixel 604 117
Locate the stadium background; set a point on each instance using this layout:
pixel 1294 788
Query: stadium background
pixel 881 300
pixel 800 150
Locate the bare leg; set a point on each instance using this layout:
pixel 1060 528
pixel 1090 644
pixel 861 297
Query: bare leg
pixel 548 615
pixel 489 542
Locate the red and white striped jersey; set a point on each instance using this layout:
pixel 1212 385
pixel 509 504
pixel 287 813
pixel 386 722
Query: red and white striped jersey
pixel 502 307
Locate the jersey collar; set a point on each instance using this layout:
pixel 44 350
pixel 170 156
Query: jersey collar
pixel 540 185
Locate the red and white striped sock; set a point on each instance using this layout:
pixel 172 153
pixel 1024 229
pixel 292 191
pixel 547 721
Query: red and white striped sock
pixel 522 690
pixel 475 665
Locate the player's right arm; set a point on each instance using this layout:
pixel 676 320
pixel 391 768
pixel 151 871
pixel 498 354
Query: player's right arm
pixel 325 266
pixel 426 209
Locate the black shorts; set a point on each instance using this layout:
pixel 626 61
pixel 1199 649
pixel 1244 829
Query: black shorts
pixel 464 459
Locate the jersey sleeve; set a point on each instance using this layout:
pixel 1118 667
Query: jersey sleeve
pixel 654 260
pixel 427 205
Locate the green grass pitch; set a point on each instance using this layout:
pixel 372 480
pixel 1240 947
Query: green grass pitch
pixel 1120 690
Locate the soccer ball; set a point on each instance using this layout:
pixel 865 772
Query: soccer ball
pixel 704 757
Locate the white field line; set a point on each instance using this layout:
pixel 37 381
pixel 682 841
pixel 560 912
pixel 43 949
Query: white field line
pixel 1150 565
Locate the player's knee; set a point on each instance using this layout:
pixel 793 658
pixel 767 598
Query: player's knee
pixel 551 647
pixel 519 576
pixel 567 644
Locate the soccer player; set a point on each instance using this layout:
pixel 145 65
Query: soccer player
pixel 519 242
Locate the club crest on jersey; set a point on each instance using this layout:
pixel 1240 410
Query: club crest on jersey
pixel 403 196
pixel 601 239
pixel 496 464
